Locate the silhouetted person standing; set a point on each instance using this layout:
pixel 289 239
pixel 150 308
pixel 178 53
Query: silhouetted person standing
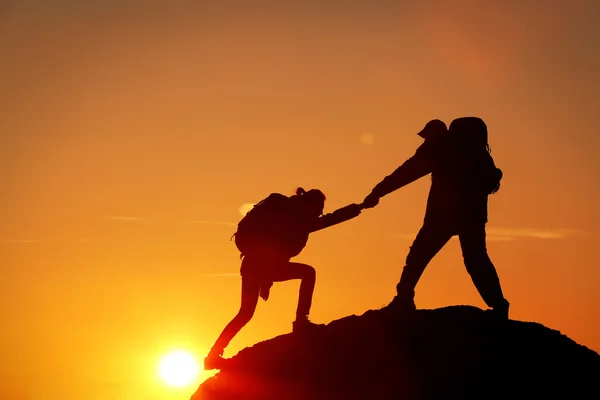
pixel 273 232
pixel 463 174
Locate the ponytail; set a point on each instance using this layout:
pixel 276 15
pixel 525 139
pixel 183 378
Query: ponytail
pixel 300 191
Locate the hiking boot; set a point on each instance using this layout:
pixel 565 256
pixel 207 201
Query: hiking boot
pixel 214 361
pixel 401 305
pixel 501 311
pixel 303 324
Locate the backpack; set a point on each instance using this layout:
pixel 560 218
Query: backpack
pixel 474 130
pixel 269 227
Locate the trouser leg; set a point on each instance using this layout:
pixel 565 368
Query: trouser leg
pixel 480 267
pixel 429 241
pixel 307 276
pixel 250 291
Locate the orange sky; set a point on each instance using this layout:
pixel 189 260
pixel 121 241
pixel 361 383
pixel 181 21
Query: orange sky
pixel 131 136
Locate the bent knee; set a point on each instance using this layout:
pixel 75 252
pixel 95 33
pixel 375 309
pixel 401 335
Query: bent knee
pixel 309 272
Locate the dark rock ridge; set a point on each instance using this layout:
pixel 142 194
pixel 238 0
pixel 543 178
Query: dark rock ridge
pixel 457 352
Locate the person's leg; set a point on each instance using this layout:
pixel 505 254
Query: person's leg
pixel 250 290
pixel 481 269
pixel 429 241
pixel 307 276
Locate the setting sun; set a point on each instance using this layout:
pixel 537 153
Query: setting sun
pixel 178 368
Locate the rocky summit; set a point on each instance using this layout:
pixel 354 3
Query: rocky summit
pixel 457 352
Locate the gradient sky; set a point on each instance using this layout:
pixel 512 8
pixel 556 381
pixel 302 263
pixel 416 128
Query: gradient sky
pixel 130 136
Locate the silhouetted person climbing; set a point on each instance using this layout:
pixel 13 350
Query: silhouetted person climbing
pixel 273 232
pixel 463 174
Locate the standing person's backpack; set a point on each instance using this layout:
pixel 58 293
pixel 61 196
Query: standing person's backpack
pixel 474 131
pixel 262 222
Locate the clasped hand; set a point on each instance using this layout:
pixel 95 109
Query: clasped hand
pixel 370 201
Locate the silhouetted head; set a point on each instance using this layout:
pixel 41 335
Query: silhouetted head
pixel 470 132
pixel 310 203
pixel 433 128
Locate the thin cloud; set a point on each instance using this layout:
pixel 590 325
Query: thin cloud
pixel 517 233
pixel 493 238
pixel 74 241
pixel 124 218
pixel 220 223
pixel 200 222
pixel 508 234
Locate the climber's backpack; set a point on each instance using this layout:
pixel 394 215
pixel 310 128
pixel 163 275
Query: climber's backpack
pixel 262 221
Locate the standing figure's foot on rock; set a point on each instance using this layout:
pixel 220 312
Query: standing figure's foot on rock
pixel 402 305
pixel 302 324
pixel 500 311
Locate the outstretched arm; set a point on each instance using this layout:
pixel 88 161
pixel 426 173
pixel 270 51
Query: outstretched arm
pixel 412 169
pixel 338 216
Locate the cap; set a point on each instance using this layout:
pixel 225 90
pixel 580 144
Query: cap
pixel 433 128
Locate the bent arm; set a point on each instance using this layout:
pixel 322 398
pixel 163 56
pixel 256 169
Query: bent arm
pixel 338 216
pixel 412 169
pixel 490 175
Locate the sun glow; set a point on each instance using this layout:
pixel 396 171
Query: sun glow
pixel 245 208
pixel 178 369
